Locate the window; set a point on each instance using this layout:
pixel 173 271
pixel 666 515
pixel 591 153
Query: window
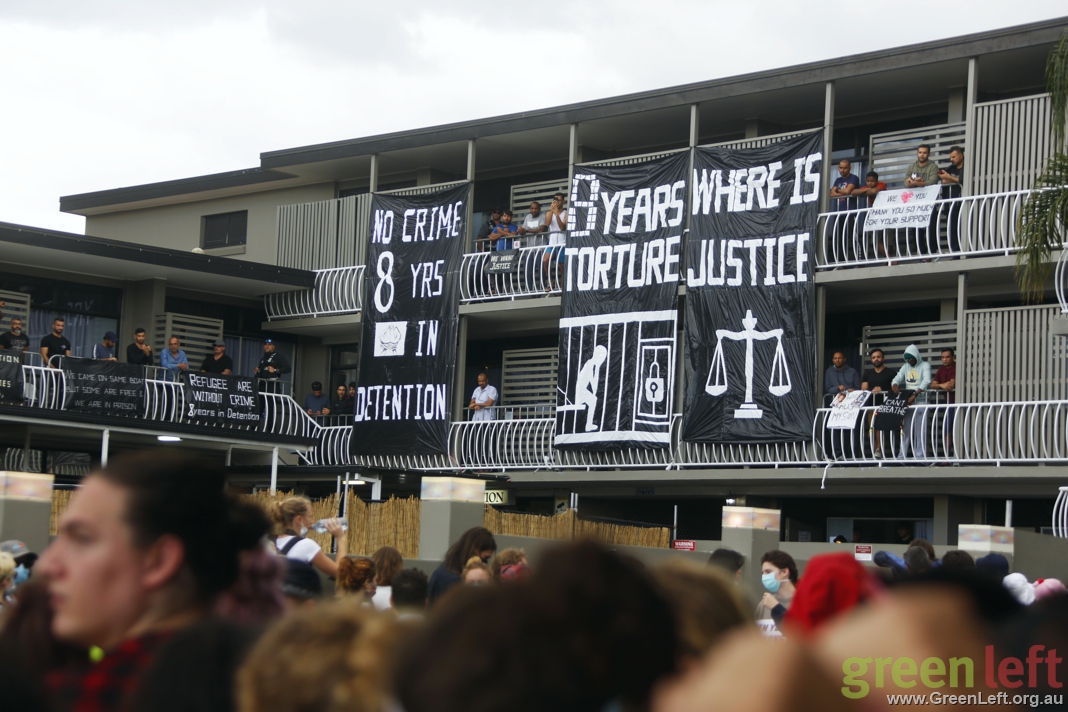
pixel 225 230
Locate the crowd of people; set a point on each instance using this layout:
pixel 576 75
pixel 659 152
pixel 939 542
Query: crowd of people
pixel 272 365
pixel 162 592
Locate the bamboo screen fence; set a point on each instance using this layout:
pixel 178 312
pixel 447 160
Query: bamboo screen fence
pixel 60 500
pixel 394 522
pixel 567 526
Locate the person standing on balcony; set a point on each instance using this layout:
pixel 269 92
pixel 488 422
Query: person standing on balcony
pixel 273 365
pixel 139 352
pixel 317 402
pixel 914 378
pixel 879 380
pixel 218 361
pixel 174 359
pixel 341 405
pixel 105 351
pixel 13 339
pixel 502 235
pixel 556 223
pixel 845 186
pixel 482 241
pixel 922 172
pixel 55 344
pixel 952 176
pixel 871 188
pixel 945 382
pixel 840 377
pixel 482 400
pixel 533 223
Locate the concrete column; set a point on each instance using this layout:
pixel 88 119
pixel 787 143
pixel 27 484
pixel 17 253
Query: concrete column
pixel 971 93
pixel 25 514
pixel 962 306
pixel 104 443
pixel 828 144
pixel 374 174
pixel 450 506
pixel 572 156
pixel 744 531
pixel 459 395
pixel 821 328
pixel 274 470
pixel 471 202
pixel 141 302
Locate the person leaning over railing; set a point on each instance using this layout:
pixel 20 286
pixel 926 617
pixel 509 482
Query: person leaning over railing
pixel 174 359
pixel 218 361
pixel 55 344
pixel 105 351
pixel 273 365
pixel 952 177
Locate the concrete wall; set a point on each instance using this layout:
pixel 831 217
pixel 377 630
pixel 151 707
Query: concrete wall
pixel 179 226
pixel 1040 556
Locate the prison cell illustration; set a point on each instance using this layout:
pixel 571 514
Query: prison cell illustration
pixel 616 377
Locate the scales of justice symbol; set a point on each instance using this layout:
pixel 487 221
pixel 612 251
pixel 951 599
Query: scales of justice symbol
pixel 779 384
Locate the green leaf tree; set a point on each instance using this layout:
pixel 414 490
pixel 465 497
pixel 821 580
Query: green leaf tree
pixel 1041 226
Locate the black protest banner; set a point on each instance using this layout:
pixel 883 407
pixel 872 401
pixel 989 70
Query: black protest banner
pixel 215 398
pixel 891 414
pixel 411 306
pixel 10 375
pixel 619 307
pixel 107 387
pixel 750 296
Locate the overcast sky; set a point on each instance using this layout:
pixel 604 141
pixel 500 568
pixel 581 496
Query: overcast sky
pixel 104 94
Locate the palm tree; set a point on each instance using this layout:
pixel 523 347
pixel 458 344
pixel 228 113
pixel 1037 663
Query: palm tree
pixel 1044 218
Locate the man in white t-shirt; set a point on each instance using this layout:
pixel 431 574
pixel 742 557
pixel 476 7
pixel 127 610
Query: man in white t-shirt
pixel 482 399
pixel 533 224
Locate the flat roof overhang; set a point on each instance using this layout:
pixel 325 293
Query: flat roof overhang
pixel 61 430
pixel 112 259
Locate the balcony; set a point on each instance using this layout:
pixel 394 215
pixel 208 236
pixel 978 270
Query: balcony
pixel 535 275
pixel 45 395
pixel 338 290
pixel 975 226
pixel 1009 433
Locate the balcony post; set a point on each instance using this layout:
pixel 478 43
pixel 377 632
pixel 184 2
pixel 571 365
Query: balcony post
pixel 828 147
pixel 104 447
pixel 274 470
pixel 821 329
pixel 460 368
pixel 373 188
pixel 26 451
pixel 962 306
pixel 572 155
pixel 970 96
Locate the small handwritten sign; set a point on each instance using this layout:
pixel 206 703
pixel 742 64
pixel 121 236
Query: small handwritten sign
pixel 895 209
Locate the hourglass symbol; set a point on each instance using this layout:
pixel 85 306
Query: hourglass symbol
pixel 779 385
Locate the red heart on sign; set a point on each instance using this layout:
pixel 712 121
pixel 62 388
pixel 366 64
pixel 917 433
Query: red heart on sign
pixel 907 196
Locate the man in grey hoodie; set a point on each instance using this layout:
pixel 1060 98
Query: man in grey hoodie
pixel 913 378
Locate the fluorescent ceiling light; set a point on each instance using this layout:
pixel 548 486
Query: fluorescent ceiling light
pixel 355 482
pixel 169 439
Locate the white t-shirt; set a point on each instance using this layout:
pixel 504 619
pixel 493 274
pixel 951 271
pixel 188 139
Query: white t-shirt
pixel 556 230
pixel 483 396
pixel 304 550
pixel 531 222
pixel 381 598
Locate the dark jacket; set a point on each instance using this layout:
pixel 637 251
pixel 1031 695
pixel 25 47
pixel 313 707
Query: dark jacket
pixel 275 359
pixel 847 377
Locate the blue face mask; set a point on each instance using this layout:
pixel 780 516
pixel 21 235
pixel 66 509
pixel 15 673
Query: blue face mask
pixel 770 582
pixel 21 574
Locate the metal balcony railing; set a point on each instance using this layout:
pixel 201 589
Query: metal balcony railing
pixel 970 433
pixel 537 274
pixel 1060 514
pixel 45 388
pixel 337 291
pixel 974 226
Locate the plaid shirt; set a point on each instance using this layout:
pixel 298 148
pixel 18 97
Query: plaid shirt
pixel 105 686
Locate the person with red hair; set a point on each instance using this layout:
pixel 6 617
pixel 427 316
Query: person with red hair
pixel 832 584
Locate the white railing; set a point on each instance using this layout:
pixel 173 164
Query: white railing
pixel 1061 281
pixel 1060 514
pixel 46 388
pixel 960 227
pixel 970 433
pixel 537 274
pixel 337 291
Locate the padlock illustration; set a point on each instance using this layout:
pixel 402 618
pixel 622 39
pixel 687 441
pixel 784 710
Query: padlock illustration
pixel 654 384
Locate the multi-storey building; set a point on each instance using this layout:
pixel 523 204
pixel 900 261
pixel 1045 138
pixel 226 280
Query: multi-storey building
pixel 283 247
